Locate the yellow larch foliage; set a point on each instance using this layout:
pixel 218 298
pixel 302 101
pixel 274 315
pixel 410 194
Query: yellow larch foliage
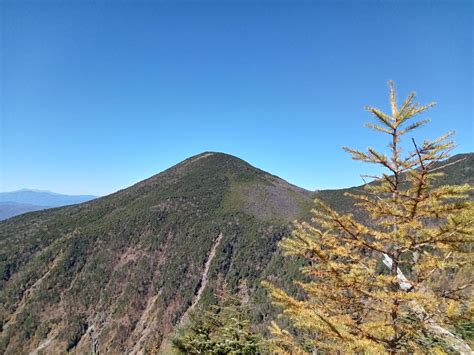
pixel 375 283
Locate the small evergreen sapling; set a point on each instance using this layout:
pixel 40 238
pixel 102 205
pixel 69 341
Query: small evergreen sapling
pixel 223 329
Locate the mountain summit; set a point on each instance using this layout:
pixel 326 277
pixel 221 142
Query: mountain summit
pixel 119 273
pixel 123 269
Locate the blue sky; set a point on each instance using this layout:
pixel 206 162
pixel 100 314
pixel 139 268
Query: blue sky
pixel 97 95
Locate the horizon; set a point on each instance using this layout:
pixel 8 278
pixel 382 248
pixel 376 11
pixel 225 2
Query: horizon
pixel 91 106
pixel 193 156
pixel 30 189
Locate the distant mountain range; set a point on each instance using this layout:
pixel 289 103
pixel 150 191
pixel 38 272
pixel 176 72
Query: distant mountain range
pixel 119 273
pixel 27 200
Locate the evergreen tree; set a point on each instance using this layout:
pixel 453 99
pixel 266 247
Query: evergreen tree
pixel 386 283
pixel 223 329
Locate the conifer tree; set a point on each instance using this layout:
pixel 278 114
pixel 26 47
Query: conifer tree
pixel 223 329
pixel 386 283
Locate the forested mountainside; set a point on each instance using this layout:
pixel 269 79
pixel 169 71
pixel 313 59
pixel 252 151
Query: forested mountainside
pixel 117 274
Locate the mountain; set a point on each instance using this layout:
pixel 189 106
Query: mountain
pixel 119 273
pixel 26 200
pixel 43 198
pixel 11 209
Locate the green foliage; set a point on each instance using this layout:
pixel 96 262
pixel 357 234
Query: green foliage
pixel 223 329
pixel 111 255
pixel 77 326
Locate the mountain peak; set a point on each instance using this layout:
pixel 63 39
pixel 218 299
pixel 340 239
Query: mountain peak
pixel 216 156
pixel 121 272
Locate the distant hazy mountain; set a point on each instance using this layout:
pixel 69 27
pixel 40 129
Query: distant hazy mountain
pixel 43 198
pixel 10 209
pixel 26 200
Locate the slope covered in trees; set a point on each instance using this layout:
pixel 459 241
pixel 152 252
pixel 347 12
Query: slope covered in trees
pixel 123 269
pixel 84 274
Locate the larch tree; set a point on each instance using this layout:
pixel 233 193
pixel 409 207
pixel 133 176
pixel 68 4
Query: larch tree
pixel 385 283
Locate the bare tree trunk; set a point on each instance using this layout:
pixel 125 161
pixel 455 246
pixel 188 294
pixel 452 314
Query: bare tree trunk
pixel 451 339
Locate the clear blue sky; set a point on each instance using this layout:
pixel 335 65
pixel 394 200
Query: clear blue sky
pixel 97 95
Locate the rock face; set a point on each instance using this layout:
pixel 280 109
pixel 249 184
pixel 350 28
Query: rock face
pixel 118 273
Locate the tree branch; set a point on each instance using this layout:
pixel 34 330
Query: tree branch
pixel 451 339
